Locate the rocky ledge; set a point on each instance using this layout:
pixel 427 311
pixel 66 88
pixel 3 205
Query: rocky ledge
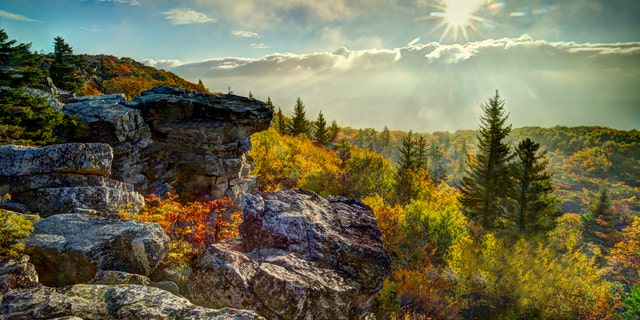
pixel 168 135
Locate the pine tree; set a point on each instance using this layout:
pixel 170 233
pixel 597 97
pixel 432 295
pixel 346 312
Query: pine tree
pixel 334 130
pixel 385 139
pixel 321 134
pixel 437 168
pixel 20 66
pixel 599 223
pixel 485 185
pixel 408 167
pixel 281 123
pixel 299 123
pixel 535 208
pixel 64 69
pixel 270 104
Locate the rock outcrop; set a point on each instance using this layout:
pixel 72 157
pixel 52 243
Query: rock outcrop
pixel 71 177
pixel 71 248
pixel 173 135
pixel 301 257
pixel 102 302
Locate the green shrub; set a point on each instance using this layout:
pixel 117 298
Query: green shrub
pixel 13 227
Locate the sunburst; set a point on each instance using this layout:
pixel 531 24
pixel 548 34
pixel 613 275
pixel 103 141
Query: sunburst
pixel 458 16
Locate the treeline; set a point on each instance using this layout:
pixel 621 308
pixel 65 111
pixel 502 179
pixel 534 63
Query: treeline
pixel 491 244
pixel 79 74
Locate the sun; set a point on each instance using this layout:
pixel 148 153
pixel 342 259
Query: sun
pixel 457 17
pixel 459 13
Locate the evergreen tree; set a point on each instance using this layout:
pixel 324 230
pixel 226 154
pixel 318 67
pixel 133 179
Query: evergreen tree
pixel 334 130
pixel 385 139
pixel 64 70
pixel 321 134
pixel 299 123
pixel 251 95
pixel 535 208
pixel 21 68
pixel 437 168
pixel 422 154
pixel 281 124
pixel 485 185
pixel 599 223
pixel 25 119
pixel 270 104
pixel 407 180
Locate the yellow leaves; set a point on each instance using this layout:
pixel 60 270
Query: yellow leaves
pixel 13 227
pixel 282 161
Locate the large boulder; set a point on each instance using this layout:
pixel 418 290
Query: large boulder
pixel 301 257
pixel 104 302
pixel 71 248
pixel 71 177
pixel 171 135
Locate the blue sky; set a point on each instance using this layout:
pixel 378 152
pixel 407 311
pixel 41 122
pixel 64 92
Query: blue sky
pixel 424 65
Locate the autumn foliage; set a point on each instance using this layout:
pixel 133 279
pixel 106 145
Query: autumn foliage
pixel 192 226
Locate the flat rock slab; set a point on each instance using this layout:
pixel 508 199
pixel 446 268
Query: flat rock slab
pixel 71 248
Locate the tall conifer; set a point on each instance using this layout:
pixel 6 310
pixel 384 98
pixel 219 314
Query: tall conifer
pixel 485 185
pixel 299 123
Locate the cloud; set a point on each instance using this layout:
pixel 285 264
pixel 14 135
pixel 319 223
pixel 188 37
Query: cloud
pixel 92 29
pixel 129 2
pixel 261 15
pixel 245 34
pixel 15 16
pixel 162 64
pixel 186 16
pixel 259 46
pixel 435 86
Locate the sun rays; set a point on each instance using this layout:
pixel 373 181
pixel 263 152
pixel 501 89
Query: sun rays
pixel 457 17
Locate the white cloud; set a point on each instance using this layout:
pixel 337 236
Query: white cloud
pixel 129 2
pixel 187 16
pixel 259 46
pixel 15 16
pixel 245 34
pixel 261 15
pixel 440 87
pixel 162 64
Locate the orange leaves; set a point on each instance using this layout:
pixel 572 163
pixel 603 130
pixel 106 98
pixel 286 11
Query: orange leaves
pixel 197 223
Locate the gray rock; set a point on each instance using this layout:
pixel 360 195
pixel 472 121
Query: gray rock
pixel 72 248
pixel 119 277
pixel 16 273
pixel 82 158
pixel 171 135
pixel 301 257
pixel 65 178
pixel 103 302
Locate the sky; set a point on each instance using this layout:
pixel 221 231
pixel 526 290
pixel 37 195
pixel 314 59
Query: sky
pixel 421 65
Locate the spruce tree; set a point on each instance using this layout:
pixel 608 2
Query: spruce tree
pixel 408 165
pixel 270 104
pixel 281 124
pixel 321 134
pixel 20 66
pixel 299 123
pixel 334 130
pixel 485 185
pixel 599 223
pixel 64 70
pixel 535 209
